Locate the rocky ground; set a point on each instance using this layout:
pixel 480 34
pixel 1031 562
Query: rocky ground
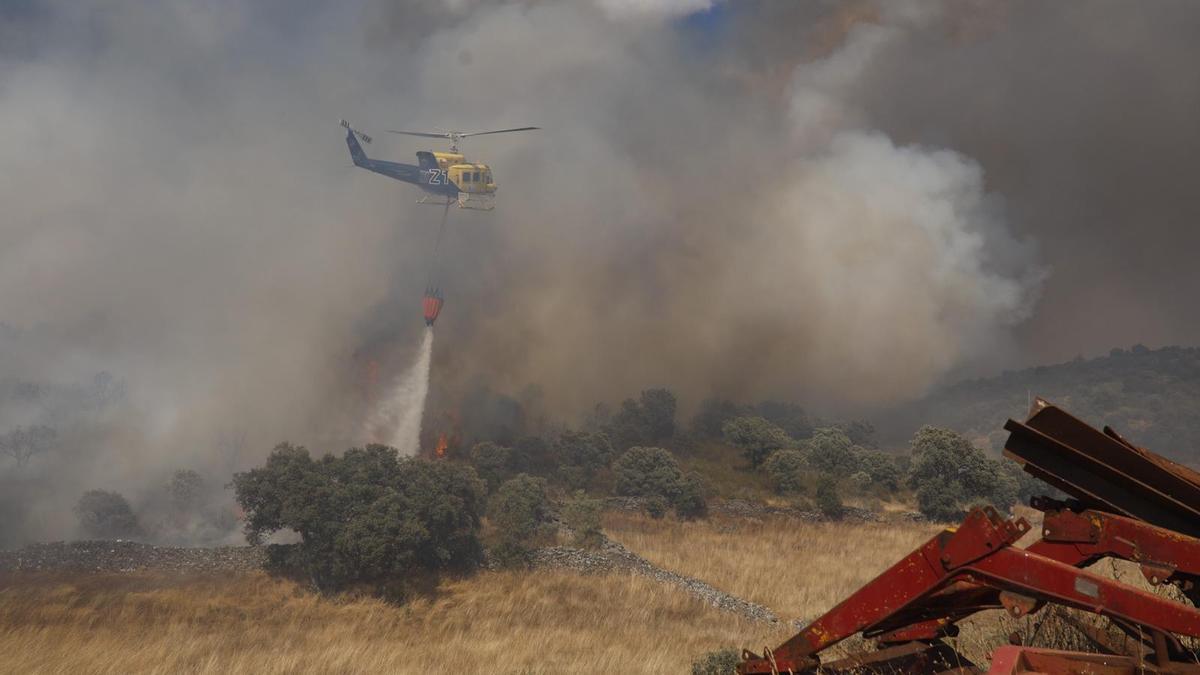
pixel 612 556
pixel 129 556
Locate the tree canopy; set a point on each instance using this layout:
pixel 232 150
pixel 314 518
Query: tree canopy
pixel 755 437
pixel 366 515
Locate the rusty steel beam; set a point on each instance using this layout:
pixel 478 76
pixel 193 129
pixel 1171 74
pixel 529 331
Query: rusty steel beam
pixel 979 552
pixel 1015 660
pixel 1128 503
pixel 1103 471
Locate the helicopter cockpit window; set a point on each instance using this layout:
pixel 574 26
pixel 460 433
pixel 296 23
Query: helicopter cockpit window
pixel 476 178
pixel 466 176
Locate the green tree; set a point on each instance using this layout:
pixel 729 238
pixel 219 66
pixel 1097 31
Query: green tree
pixel 658 415
pixel 628 425
pixel 581 454
pixel 755 437
pixel 22 444
pixel 941 500
pixel 184 490
pixel 654 473
pixel 829 502
pixel 860 432
pixel 106 515
pixel 786 469
pixel 787 416
pixel 831 451
pixel 492 462
pixel 656 507
pixel 881 467
pixel 532 455
pixel 1027 485
pixel 689 501
pixel 582 515
pixel 367 516
pixel 710 419
pixel 521 513
pixel 647 472
pixel 946 465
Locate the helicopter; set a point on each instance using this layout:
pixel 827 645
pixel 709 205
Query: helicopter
pixel 446 177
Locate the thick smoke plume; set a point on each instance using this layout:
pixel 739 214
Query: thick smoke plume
pixel 842 203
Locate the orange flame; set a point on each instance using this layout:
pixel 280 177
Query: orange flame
pixel 442 444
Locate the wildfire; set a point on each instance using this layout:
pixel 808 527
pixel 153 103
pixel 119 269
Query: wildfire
pixel 442 444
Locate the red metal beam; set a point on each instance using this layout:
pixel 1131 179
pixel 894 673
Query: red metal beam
pixel 1132 504
pixel 980 552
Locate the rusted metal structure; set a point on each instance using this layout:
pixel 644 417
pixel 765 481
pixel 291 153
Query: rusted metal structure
pixel 1124 502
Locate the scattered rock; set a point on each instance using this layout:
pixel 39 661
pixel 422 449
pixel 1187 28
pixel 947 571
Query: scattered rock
pixel 612 556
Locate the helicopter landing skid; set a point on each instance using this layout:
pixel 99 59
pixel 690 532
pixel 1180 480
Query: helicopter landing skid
pixel 475 203
pixel 426 199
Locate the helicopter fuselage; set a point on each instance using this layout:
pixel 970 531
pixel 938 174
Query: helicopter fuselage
pixel 442 174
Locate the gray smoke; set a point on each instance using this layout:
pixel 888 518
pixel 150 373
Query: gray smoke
pixel 841 203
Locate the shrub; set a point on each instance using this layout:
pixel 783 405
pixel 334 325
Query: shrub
pixel 656 507
pixel 787 416
pixel 829 502
pixel 367 516
pixel 647 472
pixel 831 451
pixel 860 432
pixel 946 466
pixel 582 515
pixel 106 515
pixel 658 414
pixel 938 453
pixel 689 500
pixel 719 662
pixel 581 454
pixel 710 419
pixel 881 467
pixel 521 513
pixel 492 463
pixel 1027 486
pixel 755 437
pixel 941 500
pixel 532 455
pixel 650 419
pixel 184 490
pixel 786 470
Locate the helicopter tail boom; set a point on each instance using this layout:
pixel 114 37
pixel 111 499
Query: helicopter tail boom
pixel 404 172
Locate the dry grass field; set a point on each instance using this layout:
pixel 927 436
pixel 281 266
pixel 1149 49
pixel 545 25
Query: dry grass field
pixel 798 569
pixel 510 622
pixel 543 622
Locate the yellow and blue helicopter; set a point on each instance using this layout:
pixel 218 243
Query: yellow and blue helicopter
pixel 446 177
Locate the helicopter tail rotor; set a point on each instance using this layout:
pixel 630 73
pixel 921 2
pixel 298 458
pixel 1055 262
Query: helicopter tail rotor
pixel 365 138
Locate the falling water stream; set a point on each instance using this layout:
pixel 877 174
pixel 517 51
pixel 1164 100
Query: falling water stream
pixel 397 419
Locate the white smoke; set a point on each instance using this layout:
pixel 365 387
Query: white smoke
pixel 652 9
pixel 396 420
pixel 904 261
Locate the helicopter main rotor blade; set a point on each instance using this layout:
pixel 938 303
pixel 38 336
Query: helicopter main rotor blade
pixel 499 131
pixel 418 133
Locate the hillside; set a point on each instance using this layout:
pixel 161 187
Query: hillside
pixel 1152 396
